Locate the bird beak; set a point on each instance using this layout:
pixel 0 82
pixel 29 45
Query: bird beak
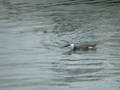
pixel 66 45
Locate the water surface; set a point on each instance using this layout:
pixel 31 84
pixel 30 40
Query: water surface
pixel 32 34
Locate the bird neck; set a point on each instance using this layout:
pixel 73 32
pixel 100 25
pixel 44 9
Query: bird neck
pixel 72 46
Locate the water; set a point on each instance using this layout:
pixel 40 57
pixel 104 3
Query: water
pixel 32 33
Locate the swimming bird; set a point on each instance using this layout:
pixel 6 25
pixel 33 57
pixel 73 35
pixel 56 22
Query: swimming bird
pixel 82 47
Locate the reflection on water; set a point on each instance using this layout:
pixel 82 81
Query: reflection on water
pixel 32 36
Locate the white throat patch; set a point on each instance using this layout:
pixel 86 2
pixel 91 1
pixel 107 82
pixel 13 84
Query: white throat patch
pixel 72 46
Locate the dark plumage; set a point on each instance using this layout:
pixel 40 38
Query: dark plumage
pixel 82 47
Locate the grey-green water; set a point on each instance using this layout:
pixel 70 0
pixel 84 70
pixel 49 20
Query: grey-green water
pixel 32 33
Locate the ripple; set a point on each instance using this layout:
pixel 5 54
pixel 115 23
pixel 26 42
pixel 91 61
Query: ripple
pixel 32 36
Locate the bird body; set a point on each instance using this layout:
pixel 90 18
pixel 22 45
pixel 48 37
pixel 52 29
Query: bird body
pixel 82 47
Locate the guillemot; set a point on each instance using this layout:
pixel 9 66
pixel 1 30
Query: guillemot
pixel 82 47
